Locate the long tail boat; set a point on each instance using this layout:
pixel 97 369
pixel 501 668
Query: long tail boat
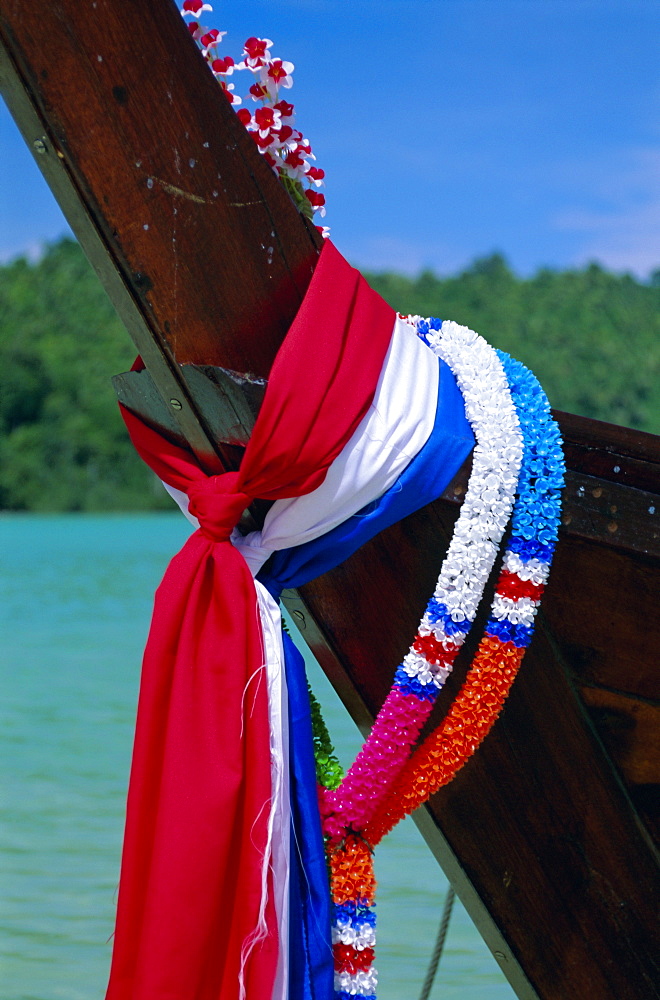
pixel 550 833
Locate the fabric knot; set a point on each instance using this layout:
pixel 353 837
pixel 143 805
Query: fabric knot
pixel 217 504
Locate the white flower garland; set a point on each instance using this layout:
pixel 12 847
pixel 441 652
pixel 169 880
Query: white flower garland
pixel 490 495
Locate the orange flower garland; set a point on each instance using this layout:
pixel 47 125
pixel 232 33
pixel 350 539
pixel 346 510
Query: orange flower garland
pixel 352 871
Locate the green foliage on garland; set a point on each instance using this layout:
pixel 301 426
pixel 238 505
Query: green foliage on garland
pixel 592 338
pixel 329 771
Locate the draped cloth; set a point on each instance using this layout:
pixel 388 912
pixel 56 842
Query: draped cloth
pixel 223 890
pixel 196 917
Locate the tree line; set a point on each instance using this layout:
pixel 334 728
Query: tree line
pixel 591 337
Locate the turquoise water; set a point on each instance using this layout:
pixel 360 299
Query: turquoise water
pixel 75 601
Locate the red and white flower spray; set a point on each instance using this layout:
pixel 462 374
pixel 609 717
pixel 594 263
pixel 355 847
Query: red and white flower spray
pixel 272 124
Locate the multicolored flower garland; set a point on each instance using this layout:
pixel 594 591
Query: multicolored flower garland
pixel 518 446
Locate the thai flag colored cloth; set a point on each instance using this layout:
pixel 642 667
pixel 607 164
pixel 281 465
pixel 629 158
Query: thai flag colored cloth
pixel 359 426
pixel 361 470
pixel 196 912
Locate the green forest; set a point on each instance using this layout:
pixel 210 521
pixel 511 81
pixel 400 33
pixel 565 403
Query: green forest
pixel 591 337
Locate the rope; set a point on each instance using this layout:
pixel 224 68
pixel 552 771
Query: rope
pixel 439 944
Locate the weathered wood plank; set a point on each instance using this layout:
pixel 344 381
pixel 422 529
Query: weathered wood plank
pixel 633 727
pixel 610 452
pixel 620 516
pixel 630 730
pixel 229 401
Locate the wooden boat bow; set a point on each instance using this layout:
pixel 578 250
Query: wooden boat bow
pixel 550 833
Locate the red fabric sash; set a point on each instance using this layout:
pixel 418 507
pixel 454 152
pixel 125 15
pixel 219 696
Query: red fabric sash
pixel 199 794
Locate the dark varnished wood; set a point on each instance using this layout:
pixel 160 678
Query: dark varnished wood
pixel 161 184
pixel 609 452
pixel 152 150
pixel 551 820
pixel 630 730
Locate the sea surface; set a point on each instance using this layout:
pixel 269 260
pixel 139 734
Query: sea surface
pixel 75 600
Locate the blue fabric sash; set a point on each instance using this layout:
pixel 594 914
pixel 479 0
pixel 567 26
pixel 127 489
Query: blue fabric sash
pixel 433 468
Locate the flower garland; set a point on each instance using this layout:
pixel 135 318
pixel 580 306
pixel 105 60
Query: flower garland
pixel 509 629
pixel 386 782
pixel 272 126
pixel 484 515
pixel 354 918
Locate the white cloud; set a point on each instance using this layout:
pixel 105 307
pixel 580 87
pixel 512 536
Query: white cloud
pixel 390 253
pixel 624 234
pixel 32 250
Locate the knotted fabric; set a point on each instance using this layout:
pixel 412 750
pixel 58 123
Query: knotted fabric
pixel 196 916
pixel 217 503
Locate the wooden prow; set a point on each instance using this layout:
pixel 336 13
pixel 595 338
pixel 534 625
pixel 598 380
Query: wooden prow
pixel 548 832
pixel 162 186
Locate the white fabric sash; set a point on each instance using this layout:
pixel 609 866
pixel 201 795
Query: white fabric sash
pixel 279 822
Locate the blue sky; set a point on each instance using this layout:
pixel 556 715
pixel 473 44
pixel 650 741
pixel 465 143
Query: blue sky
pixel 451 128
